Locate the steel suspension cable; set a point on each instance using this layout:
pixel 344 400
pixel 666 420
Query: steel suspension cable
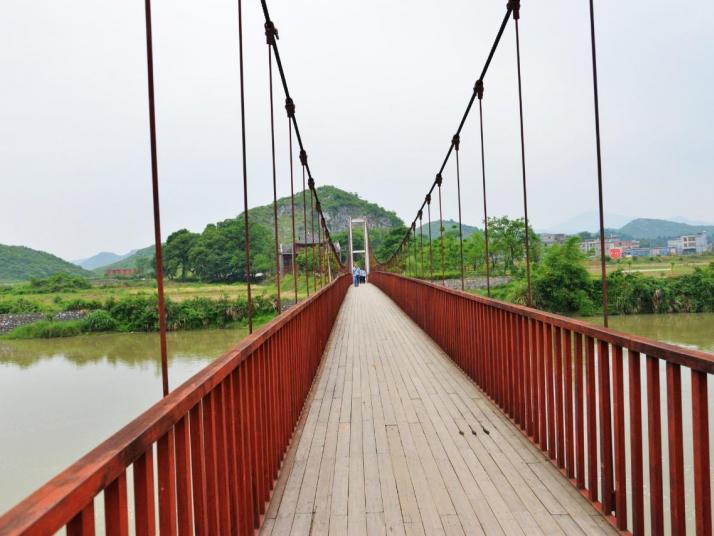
pixel 311 185
pixel 479 93
pixel 283 79
pixel 439 180
pixel 245 167
pixel 427 200
pixel 603 270
pixel 155 197
pixel 414 270
pixel 303 161
pixel 494 46
pixel 270 35
pixel 421 244
pixel 515 7
pixel 319 245
pixel 456 142
pixel 290 109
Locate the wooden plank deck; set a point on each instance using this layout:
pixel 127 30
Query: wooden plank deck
pixel 395 439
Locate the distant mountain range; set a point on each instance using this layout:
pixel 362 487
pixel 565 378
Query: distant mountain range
pixel 103 258
pixel 662 229
pixel 589 221
pixel 19 263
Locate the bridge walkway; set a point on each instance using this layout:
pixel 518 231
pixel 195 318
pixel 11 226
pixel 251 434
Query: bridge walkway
pixel 396 439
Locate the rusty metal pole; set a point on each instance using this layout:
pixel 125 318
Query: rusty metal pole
pixel 246 221
pixel 270 35
pixel 421 242
pixel 303 161
pixel 431 256
pixel 603 269
pixel 155 193
pixel 311 185
pixel 439 180
pixel 515 6
pixel 479 93
pixel 456 140
pixel 290 108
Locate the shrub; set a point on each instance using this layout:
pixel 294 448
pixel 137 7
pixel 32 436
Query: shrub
pixel 98 321
pixel 19 305
pixel 79 304
pixel 46 329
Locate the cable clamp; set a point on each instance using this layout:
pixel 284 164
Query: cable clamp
pixel 515 6
pixel 303 157
pixel 478 89
pixel 439 180
pixel 419 214
pixel 271 33
pixel 290 107
pixel 311 183
pixel 455 141
pixel 428 199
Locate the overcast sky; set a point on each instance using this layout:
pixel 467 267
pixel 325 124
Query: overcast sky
pixel 379 87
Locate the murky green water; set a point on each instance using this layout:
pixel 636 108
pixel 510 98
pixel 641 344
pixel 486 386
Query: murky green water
pixel 695 330
pixel 61 397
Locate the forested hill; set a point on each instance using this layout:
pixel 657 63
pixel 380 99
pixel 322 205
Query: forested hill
pixel 652 229
pixel 337 205
pixel 216 253
pixel 19 263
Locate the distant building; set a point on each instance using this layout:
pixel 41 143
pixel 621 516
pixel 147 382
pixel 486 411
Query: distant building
pixel 614 247
pixel 639 252
pixel 689 244
pixel 287 255
pixel 120 272
pixel 548 239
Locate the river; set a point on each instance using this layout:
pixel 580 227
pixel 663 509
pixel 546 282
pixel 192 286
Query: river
pixel 61 397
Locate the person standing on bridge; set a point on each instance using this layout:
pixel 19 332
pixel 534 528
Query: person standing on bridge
pixel 355 275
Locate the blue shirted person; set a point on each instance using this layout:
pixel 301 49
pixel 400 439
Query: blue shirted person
pixel 355 275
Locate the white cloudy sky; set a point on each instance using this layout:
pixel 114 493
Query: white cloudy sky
pixel 379 86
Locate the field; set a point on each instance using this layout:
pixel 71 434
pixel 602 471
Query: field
pixel 653 266
pixel 177 291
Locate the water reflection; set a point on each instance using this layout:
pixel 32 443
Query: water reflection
pixel 61 397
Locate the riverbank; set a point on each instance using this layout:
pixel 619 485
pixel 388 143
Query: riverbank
pixel 66 306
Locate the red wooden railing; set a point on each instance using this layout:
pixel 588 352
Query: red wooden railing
pixel 220 440
pixel 569 385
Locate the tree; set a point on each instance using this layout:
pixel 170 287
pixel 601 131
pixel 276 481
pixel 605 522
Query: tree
pixel 507 243
pixel 177 253
pixel 561 283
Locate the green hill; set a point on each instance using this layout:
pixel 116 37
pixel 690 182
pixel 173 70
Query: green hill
pixel 337 205
pixel 19 263
pixel 662 229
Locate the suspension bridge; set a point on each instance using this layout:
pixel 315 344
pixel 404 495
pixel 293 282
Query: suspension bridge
pixel 402 406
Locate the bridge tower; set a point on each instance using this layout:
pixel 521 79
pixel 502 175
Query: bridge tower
pixel 359 221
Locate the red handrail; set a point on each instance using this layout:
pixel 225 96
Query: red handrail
pixel 562 383
pixel 220 439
